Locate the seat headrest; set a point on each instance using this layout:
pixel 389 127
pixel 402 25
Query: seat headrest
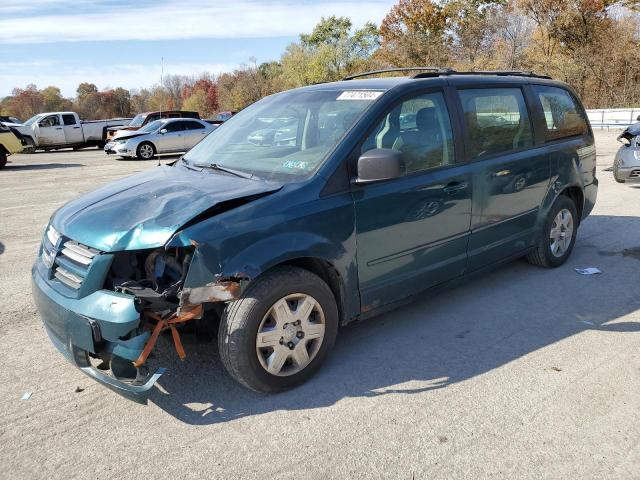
pixel 426 118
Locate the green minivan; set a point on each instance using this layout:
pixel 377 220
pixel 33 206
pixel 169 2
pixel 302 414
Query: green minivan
pixel 384 189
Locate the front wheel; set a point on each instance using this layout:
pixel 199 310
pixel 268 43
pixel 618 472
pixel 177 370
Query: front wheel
pixel 3 159
pixel 558 235
pixel 145 151
pixel 278 333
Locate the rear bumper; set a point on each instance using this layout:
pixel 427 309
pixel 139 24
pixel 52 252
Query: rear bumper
pixel 78 336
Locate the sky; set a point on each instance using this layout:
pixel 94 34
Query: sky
pixel 119 43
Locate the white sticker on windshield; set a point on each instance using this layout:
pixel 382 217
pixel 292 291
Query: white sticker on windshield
pixel 359 95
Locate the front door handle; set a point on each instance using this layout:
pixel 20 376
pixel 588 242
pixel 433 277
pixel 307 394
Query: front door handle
pixel 455 187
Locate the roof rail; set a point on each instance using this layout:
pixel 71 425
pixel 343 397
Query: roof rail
pixel 431 70
pixel 425 72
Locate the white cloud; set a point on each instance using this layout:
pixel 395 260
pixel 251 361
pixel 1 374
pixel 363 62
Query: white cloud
pixel 184 20
pixel 68 78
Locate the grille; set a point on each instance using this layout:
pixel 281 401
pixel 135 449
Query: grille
pixel 72 263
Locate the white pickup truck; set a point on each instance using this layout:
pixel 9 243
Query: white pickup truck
pixel 54 130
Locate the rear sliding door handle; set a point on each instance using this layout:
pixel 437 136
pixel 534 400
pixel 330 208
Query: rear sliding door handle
pixel 455 187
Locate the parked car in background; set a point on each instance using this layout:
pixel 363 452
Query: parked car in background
pixel 143 119
pixel 6 119
pixel 10 142
pixel 221 117
pixel 626 165
pixel 275 246
pixel 55 130
pixel 160 136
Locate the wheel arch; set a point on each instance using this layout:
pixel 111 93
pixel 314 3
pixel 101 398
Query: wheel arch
pixel 576 194
pixel 327 272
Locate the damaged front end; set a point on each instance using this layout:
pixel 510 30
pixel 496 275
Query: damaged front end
pixel 109 329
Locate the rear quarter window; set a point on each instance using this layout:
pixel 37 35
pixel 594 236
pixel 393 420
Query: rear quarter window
pixel 563 117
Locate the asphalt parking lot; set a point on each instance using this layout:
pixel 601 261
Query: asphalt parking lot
pixel 526 373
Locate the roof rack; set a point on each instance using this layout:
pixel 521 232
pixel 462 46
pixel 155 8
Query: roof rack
pixel 430 70
pixel 426 72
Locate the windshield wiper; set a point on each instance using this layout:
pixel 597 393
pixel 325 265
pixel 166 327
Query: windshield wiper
pixel 188 165
pixel 215 166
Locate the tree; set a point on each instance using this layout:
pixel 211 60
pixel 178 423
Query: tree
pixel 27 102
pixel 414 34
pixel 201 97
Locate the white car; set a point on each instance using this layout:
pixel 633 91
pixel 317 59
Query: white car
pixel 54 130
pixel 175 135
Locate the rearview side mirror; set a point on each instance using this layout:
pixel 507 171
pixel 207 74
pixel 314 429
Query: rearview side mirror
pixel 163 131
pixel 638 118
pixel 380 164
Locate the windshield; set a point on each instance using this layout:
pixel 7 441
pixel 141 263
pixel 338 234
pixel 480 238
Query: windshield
pixel 285 137
pixel 152 127
pixel 33 119
pixel 137 120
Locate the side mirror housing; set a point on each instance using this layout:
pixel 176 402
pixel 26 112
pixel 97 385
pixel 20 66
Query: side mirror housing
pixel 380 164
pixel 163 131
pixel 638 118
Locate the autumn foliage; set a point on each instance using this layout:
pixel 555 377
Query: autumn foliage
pixel 591 44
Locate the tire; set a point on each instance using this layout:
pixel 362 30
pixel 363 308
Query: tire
pixel 30 147
pixel 3 160
pixel 553 252
pixel 250 315
pixel 615 176
pixel 143 151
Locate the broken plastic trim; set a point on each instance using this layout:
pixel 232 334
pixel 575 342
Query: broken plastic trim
pixel 225 289
pixel 137 393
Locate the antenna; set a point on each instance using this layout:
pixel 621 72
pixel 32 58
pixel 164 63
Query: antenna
pixel 162 97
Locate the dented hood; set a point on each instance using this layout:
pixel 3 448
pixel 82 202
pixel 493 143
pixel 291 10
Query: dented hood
pixel 145 210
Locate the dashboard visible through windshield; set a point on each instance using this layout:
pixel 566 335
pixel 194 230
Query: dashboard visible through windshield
pixel 285 137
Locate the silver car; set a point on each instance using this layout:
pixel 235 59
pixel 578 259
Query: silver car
pixel 175 135
pixel 626 166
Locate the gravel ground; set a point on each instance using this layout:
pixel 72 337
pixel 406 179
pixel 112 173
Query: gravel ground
pixel 527 373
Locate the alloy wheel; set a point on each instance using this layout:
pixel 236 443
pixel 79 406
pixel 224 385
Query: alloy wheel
pixel 146 151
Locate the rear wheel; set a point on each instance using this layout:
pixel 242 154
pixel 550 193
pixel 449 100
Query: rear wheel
pixel 558 236
pixel 278 333
pixel 3 159
pixel 145 151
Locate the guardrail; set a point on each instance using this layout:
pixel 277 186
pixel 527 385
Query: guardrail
pixel 616 118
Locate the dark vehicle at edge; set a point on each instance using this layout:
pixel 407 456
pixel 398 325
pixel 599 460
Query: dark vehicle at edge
pixel 274 246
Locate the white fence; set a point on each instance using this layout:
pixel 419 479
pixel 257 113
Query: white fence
pixel 613 117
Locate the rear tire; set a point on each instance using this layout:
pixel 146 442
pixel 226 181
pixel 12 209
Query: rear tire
pixel 278 333
pixel 3 159
pixel 146 151
pixel 558 235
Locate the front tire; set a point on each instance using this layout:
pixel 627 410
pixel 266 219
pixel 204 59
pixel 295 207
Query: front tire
pixel 278 333
pixel 558 235
pixel 3 159
pixel 145 151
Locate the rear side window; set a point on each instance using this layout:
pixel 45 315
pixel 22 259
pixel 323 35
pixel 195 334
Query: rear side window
pixel 563 118
pixel 69 119
pixel 497 120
